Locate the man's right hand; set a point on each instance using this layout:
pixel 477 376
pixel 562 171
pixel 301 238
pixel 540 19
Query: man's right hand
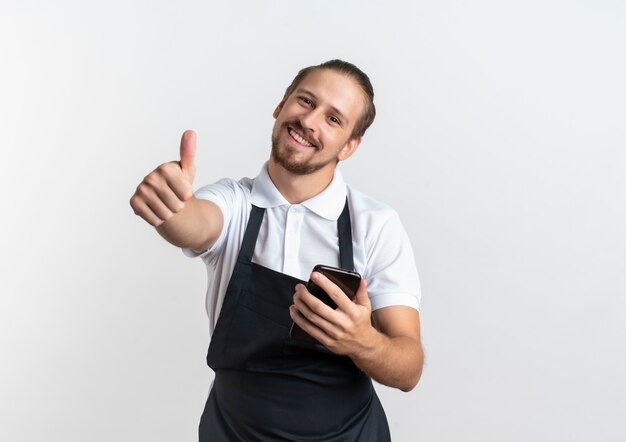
pixel 164 191
pixel 165 200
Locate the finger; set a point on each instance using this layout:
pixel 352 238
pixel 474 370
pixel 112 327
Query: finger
pixel 169 198
pixel 150 198
pixel 156 186
pixel 332 322
pixel 308 326
pixel 333 291
pixel 361 297
pixel 142 210
pixel 181 187
pixel 170 175
pixel 159 209
pixel 313 303
pixel 188 154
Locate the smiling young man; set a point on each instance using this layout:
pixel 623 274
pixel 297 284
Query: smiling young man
pixel 260 238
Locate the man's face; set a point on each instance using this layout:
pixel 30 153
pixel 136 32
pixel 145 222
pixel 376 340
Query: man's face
pixel 314 124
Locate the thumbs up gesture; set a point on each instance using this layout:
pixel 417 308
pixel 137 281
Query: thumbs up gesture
pixel 165 190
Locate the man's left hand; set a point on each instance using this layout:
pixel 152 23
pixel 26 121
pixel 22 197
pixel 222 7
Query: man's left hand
pixel 346 330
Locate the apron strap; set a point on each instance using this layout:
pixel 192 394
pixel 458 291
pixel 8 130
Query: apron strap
pixel 344 230
pixel 252 231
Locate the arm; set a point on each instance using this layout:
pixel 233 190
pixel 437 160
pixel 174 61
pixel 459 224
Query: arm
pixel 197 226
pixel 165 200
pixel 399 358
pixel 389 351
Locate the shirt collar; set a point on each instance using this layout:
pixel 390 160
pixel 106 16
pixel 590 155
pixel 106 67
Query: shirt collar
pixel 328 203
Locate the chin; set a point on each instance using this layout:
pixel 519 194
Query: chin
pixel 295 167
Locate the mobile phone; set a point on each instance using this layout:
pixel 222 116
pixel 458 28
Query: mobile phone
pixel 347 280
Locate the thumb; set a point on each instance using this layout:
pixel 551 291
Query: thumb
pixel 361 297
pixel 188 155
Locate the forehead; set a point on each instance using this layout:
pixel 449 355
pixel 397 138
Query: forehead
pixel 336 90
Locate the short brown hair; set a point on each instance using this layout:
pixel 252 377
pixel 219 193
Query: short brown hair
pixel 357 75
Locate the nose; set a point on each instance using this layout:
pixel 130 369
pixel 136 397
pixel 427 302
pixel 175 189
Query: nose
pixel 311 119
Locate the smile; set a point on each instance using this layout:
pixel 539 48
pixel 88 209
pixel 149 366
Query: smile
pixel 299 138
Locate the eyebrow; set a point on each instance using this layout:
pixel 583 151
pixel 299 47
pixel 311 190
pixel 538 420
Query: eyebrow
pixel 333 108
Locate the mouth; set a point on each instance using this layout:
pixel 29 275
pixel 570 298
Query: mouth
pixel 300 138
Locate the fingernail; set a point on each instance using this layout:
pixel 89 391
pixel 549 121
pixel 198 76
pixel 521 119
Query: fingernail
pixel 315 276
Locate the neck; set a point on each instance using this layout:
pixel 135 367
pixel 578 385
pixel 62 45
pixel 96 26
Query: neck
pixel 298 188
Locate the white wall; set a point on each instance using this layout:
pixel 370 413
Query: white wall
pixel 500 140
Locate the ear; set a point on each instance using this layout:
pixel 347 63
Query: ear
pixel 280 106
pixel 278 109
pixel 350 147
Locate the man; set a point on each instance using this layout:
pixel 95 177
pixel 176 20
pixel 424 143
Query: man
pixel 260 239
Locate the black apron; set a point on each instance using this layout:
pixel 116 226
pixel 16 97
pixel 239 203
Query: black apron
pixel 269 387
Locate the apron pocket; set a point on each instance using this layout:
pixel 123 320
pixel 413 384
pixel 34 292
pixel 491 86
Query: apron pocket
pixel 255 338
pixel 273 312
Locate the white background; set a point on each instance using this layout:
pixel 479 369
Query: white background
pixel 500 139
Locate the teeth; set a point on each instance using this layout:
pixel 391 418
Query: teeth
pixel 298 138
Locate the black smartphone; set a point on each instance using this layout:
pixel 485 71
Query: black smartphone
pixel 347 280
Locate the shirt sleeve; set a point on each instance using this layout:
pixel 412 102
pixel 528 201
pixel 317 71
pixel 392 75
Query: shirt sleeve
pixel 391 271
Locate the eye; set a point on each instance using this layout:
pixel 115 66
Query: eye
pixel 306 101
pixel 334 120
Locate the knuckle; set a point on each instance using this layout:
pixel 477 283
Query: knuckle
pixel 331 344
pixel 326 341
pixel 134 203
pixel 163 169
pixel 142 191
pixel 178 207
pixel 338 335
pixel 318 307
pixel 187 194
pixel 151 180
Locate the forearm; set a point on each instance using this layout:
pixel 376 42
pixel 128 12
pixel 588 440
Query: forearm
pixel 196 226
pixel 393 361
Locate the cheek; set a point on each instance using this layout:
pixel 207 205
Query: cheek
pixel 278 124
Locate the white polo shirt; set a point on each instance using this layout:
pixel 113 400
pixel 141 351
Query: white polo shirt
pixel 295 237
